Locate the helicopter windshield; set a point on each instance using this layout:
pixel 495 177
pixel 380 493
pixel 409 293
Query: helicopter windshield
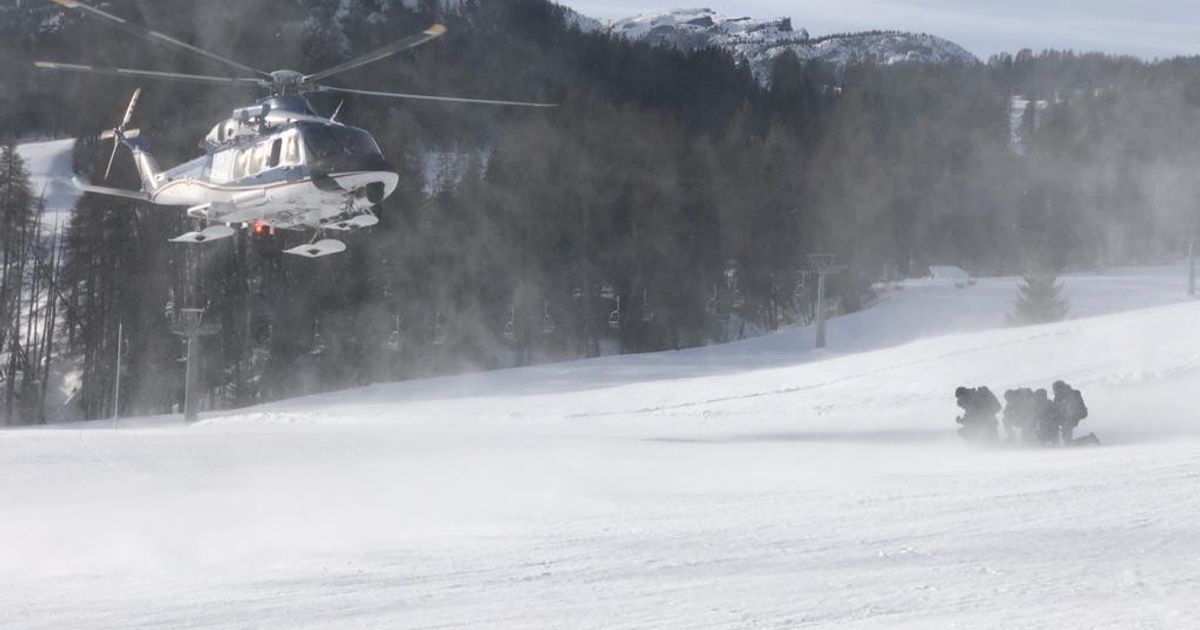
pixel 330 141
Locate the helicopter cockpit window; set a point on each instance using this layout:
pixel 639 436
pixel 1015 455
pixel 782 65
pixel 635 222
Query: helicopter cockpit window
pixel 326 141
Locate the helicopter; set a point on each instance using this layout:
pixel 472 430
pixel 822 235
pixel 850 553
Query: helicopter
pixel 275 165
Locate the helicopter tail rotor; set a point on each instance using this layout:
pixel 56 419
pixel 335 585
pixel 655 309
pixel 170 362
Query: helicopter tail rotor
pixel 120 133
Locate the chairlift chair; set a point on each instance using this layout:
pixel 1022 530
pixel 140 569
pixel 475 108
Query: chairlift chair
pixel 614 318
pixel 318 344
pixel 393 342
pixel 510 327
pixel 439 329
pixel 548 323
pixel 647 312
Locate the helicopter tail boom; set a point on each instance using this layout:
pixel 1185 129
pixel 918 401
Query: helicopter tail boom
pixel 111 192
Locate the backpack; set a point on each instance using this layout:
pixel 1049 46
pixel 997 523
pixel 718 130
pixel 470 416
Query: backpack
pixel 1072 410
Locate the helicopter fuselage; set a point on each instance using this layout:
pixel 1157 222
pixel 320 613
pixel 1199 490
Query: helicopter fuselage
pixel 296 175
pixel 276 163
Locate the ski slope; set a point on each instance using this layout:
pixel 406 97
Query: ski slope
pixel 50 171
pixel 753 485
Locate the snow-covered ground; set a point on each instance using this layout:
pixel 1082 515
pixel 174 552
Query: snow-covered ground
pixel 758 484
pixel 49 165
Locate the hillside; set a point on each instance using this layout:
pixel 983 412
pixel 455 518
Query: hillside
pixel 49 165
pixel 754 484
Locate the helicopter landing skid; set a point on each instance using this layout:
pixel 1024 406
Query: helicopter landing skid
pixel 359 222
pixel 318 249
pixel 210 233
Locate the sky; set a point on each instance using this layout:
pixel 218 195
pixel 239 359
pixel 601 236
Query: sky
pixel 1144 28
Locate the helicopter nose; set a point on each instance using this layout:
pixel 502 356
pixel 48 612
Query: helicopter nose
pixel 376 186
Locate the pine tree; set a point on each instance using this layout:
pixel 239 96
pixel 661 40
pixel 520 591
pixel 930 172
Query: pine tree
pixel 1040 300
pixel 16 214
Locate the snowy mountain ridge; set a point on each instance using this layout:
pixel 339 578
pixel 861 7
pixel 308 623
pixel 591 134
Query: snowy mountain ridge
pixel 760 42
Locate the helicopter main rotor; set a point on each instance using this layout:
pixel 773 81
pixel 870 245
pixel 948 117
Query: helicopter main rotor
pixel 278 82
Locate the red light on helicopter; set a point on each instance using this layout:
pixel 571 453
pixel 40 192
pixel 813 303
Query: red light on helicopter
pixel 260 228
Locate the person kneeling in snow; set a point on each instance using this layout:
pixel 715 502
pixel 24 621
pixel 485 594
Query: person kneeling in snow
pixel 979 407
pixel 1018 415
pixel 1045 419
pixel 1069 410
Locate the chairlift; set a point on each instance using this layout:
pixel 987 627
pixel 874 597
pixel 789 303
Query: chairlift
pixel 647 312
pixel 439 329
pixel 608 292
pixel 738 301
pixel 548 323
pixel 614 318
pixel 393 342
pixel 510 327
pixel 318 345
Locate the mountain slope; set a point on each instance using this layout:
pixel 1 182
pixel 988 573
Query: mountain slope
pixel 760 42
pixel 704 489
pixel 49 165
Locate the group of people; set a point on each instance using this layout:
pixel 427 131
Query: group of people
pixel 1030 417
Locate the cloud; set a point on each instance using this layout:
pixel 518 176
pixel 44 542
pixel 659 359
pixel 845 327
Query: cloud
pixel 1149 28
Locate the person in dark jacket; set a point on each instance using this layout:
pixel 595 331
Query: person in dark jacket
pixel 1018 415
pixel 979 407
pixel 1045 420
pixel 1069 410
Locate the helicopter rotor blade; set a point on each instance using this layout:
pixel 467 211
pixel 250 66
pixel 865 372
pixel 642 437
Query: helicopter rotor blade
pixel 118 134
pixel 153 36
pixel 112 156
pixel 150 74
pixel 412 41
pixel 426 97
pixel 129 110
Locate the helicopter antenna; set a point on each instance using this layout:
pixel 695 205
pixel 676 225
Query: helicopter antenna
pixel 338 110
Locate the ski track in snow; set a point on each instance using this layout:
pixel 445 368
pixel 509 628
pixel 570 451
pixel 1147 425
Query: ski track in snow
pixel 753 485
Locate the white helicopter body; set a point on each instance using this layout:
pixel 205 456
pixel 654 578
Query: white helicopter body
pixel 274 165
